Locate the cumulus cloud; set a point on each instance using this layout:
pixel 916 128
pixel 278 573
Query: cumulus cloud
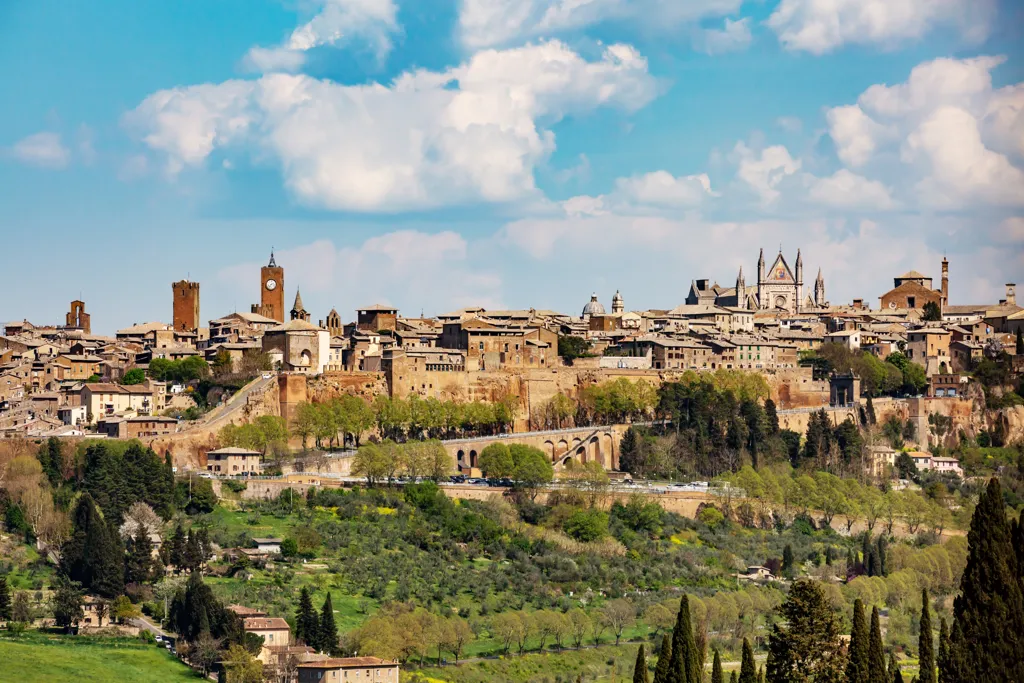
pixel 847 190
pixel 820 26
pixel 487 23
pixel 473 132
pixel 763 171
pixel 45 150
pixel 733 36
pixel 406 268
pixel 1010 231
pixel 954 133
pixel 336 22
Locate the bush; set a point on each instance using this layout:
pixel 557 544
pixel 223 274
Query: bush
pixel 234 485
pixel 587 525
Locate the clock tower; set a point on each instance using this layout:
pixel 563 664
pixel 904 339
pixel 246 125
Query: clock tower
pixel 271 291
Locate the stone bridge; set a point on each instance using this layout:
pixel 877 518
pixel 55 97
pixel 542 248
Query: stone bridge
pixel 583 444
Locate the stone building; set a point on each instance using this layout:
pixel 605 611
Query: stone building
pixel 186 306
pixel 298 311
pixel 490 346
pixel 376 318
pixel 349 670
pixel 913 290
pixel 233 462
pixel 298 346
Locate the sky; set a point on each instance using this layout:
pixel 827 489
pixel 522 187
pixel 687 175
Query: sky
pixel 434 154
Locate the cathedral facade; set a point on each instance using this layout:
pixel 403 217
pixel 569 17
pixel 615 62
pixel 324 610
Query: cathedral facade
pixel 779 288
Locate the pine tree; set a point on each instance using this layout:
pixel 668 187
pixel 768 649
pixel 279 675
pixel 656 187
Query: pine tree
pixel 988 615
pixel 807 648
pixel 857 665
pixel 664 659
pixel 876 651
pixel 716 669
pixel 682 666
pixel 943 656
pixel 5 600
pixel 307 626
pixel 328 634
pixel 925 648
pixel 176 553
pixel 748 670
pixel 640 668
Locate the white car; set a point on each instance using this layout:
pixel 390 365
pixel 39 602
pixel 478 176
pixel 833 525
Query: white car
pixel 267 375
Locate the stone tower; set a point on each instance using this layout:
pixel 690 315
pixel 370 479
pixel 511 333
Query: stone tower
pixel 334 325
pixel 271 291
pixel 77 318
pixel 298 310
pixel 799 281
pixel 741 290
pixel 819 290
pixel 1011 293
pixel 945 281
pixel 186 306
pixel 617 304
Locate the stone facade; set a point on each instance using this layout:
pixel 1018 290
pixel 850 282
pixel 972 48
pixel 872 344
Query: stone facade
pixel 271 292
pixel 780 287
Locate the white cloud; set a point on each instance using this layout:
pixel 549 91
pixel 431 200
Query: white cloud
pixel 820 26
pixel 336 22
pixel 1010 231
pixel 847 190
pixel 486 23
pixel 406 268
pixel 474 132
pixel 42 149
pixel 733 36
pixel 661 188
pixel 764 172
pixel 956 136
pixel 790 124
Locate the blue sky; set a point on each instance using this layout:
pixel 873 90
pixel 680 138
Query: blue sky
pixel 506 153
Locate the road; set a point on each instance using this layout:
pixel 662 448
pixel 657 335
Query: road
pixel 147 625
pixel 223 413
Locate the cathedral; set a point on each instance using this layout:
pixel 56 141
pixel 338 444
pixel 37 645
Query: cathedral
pixel 778 288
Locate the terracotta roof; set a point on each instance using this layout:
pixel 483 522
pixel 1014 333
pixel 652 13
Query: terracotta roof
pixel 233 451
pixel 264 624
pixel 347 663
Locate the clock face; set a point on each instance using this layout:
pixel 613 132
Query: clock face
pixel 271 285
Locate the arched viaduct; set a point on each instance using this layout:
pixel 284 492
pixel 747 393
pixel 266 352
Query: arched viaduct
pixel 585 444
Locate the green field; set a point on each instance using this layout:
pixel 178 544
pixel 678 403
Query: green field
pixel 42 658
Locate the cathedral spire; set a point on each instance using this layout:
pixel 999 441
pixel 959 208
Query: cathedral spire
pixel 298 300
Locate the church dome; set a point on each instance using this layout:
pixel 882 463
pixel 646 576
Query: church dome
pixel 594 307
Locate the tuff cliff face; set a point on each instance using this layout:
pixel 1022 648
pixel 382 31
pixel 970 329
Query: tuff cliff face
pixel 1010 423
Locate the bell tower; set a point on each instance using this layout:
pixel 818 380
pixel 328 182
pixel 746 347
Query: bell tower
pixel 271 291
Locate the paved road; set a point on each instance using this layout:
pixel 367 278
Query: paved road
pixel 223 413
pixel 147 625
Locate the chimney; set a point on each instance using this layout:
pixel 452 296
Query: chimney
pixel 945 281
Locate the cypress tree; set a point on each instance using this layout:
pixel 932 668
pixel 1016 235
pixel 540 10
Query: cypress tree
pixel 787 560
pixel 664 658
pixel 138 567
pixel 883 560
pixel 1020 341
pixel 876 651
pixel 943 656
pixel 988 615
pixel 748 670
pixel 307 626
pixel 857 664
pixel 682 666
pixel 640 668
pixel 894 668
pixel 716 669
pixel 925 648
pixel 5 600
pixel 732 677
pixel 328 634
pixel 94 555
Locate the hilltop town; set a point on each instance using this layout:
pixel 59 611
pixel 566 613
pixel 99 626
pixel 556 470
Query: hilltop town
pixel 273 499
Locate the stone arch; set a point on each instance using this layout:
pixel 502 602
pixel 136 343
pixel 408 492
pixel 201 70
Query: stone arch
pixel 563 447
pixel 594 450
pixel 460 458
pixel 608 451
pixel 549 449
pixel 581 453
pixel 472 458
